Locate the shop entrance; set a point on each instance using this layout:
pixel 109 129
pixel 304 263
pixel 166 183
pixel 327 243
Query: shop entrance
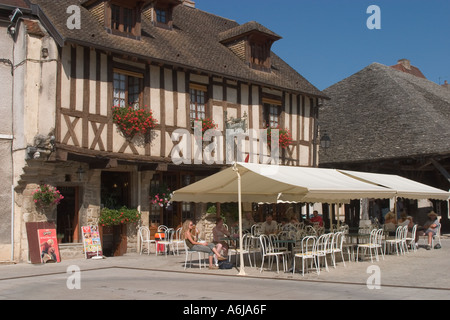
pixel 115 190
pixel 67 215
pixel 115 194
pixel 177 212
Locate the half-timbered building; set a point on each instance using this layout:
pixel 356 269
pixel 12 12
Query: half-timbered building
pixel 163 56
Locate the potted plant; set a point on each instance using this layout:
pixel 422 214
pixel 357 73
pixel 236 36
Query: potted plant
pixel 161 196
pixel 115 217
pixel 46 196
pixel 285 137
pixel 133 121
pixel 113 229
pixel 207 124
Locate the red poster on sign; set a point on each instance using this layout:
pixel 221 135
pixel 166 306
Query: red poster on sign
pixel 48 245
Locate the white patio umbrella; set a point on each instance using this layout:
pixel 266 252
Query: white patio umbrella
pixel 247 182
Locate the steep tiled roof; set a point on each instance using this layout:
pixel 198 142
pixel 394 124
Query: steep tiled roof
pixel 14 3
pixel 381 113
pixel 246 28
pixel 193 43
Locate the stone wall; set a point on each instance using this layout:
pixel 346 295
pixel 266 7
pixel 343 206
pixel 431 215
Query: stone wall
pixel 205 225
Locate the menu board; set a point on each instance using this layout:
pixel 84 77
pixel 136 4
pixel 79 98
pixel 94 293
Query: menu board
pixel 48 245
pixel 91 241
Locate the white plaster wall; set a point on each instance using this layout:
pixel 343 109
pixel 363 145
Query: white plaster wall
pixel 168 97
pixel 182 100
pixel 155 101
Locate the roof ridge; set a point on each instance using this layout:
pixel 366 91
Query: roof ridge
pixel 410 79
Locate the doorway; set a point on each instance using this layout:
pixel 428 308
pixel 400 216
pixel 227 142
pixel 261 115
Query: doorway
pixel 115 190
pixel 177 212
pixel 67 224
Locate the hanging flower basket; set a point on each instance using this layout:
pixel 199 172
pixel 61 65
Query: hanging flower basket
pixel 133 121
pixel 46 196
pixel 207 124
pixel 161 196
pixel 285 137
pixel 115 217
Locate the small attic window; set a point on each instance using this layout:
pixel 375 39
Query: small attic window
pixel 160 13
pixel 123 19
pixel 252 43
pixel 161 16
pixel 259 57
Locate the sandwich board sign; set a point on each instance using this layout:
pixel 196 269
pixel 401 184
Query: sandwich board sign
pixel 48 245
pixel 92 243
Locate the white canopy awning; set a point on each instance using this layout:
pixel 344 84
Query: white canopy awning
pixel 405 188
pixel 247 182
pixel 269 183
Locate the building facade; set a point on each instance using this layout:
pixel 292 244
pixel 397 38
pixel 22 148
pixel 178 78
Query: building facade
pixel 166 57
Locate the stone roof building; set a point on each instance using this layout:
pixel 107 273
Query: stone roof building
pixel 382 119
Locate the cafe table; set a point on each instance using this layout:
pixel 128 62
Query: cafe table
pixel 230 239
pixel 360 239
pixel 291 244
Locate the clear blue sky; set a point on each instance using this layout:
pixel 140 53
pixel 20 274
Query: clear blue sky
pixel 328 40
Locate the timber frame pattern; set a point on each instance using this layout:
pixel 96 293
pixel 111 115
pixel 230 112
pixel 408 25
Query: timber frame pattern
pixel 85 98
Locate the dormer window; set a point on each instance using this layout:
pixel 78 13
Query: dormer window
pixel 160 13
pixel 259 53
pixel 122 19
pixel 161 16
pixel 252 43
pixel 119 17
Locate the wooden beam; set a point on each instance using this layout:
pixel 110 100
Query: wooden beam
pixel 441 169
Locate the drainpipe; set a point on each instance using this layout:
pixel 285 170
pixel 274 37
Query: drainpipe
pixel 139 176
pixel 12 223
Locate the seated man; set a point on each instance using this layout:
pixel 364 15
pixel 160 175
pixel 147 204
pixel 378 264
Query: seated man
pixel 270 226
pixel 316 218
pixel 247 222
pixel 287 231
pixel 219 232
pixel 431 228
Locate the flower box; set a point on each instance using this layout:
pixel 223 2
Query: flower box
pixel 131 121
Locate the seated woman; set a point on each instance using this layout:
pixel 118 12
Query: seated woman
pixel 390 222
pixel 209 248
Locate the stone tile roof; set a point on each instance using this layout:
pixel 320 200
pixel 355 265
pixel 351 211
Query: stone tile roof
pixel 381 113
pixel 14 3
pixel 193 43
pixel 246 28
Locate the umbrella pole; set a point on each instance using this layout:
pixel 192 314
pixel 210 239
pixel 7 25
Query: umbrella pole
pixel 241 254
